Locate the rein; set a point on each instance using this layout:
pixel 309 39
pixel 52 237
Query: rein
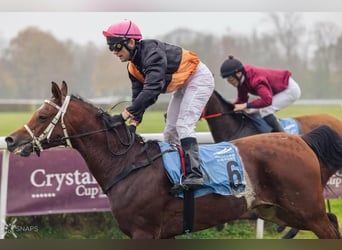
pixel 203 116
pixel 219 114
pixel 128 170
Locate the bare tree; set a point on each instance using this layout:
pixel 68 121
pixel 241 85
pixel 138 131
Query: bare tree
pixel 325 35
pixel 288 31
pixel 36 58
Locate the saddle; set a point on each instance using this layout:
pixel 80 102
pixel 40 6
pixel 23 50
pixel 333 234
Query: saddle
pixel 220 163
pixel 290 125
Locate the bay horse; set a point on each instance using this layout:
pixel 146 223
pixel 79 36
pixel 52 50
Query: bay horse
pixel 283 180
pixel 226 125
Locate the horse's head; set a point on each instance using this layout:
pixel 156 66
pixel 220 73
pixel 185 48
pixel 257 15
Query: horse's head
pixel 62 114
pixel 47 121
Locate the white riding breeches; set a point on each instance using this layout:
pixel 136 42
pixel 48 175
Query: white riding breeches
pixel 282 99
pixel 186 105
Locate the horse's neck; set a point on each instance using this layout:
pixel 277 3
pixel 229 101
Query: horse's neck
pixel 229 126
pixel 223 127
pixel 96 144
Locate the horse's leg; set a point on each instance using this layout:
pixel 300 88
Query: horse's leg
pixel 293 231
pixel 290 234
pixel 281 228
pixel 249 215
pixel 333 219
pixel 219 227
pixel 324 229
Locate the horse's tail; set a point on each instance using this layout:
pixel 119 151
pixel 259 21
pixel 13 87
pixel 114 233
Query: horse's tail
pixel 327 145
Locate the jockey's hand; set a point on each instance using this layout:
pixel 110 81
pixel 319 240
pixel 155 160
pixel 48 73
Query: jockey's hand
pixel 132 128
pixel 116 120
pixel 240 107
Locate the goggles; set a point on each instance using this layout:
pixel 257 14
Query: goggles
pixel 115 43
pixel 117 47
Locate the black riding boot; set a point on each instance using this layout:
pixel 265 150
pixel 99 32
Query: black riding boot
pixel 194 177
pixel 273 122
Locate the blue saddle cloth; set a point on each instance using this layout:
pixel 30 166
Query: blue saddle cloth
pixel 290 125
pixel 221 166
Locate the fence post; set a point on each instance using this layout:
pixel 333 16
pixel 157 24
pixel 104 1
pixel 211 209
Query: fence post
pixel 3 191
pixel 260 229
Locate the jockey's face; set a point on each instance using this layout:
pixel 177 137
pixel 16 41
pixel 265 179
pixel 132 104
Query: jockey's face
pixel 124 54
pixel 234 80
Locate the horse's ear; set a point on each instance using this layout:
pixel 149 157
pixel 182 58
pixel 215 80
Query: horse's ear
pixel 56 92
pixel 64 88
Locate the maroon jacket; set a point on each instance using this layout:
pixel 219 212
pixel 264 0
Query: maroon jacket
pixel 262 82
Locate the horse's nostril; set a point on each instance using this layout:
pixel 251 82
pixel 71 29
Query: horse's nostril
pixel 9 140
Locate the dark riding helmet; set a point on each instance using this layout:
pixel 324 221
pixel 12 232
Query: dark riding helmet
pixel 230 67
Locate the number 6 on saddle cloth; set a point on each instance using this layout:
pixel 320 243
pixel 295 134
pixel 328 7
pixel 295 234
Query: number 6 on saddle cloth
pixel 221 166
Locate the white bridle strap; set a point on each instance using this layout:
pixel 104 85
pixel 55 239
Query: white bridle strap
pixel 48 131
pixel 35 139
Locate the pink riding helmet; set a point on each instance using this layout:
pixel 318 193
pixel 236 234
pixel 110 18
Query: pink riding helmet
pixel 125 29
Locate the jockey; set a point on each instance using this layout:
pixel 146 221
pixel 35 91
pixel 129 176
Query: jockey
pixel 275 89
pixel 156 67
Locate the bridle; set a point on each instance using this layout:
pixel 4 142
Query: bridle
pixel 45 136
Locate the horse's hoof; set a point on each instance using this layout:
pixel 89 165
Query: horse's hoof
pixel 280 228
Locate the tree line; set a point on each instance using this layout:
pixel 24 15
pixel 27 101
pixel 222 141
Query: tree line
pixel 34 58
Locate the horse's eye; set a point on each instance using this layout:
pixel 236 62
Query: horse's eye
pixel 43 118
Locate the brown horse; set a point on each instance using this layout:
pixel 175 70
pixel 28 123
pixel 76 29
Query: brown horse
pixel 225 125
pixel 283 180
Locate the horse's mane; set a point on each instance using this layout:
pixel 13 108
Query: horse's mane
pixel 225 102
pixel 105 114
pixel 91 105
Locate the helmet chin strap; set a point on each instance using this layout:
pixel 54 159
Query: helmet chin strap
pixel 242 79
pixel 239 79
pixel 132 51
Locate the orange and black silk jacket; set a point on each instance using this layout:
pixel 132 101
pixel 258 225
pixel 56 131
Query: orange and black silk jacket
pixel 156 68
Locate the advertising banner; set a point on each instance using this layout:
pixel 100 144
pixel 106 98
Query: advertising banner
pixel 333 190
pixel 56 182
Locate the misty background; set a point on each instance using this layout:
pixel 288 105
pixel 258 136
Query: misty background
pixel 33 58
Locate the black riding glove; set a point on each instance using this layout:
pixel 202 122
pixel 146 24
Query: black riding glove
pixel 116 120
pixel 132 128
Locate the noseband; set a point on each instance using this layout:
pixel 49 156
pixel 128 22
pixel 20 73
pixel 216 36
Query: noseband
pixel 45 136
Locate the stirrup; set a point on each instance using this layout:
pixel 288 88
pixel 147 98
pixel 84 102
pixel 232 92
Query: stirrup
pixel 178 188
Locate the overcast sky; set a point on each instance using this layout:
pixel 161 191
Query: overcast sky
pixel 84 20
pixel 83 27
pixel 174 5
